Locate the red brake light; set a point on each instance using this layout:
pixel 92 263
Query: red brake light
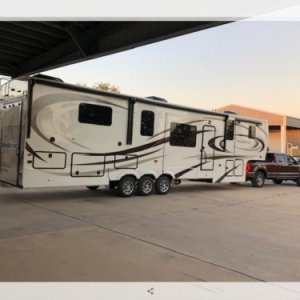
pixel 248 167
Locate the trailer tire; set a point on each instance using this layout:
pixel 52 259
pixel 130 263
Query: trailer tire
pixel 145 186
pixel 277 181
pixel 163 185
pixel 126 186
pixel 259 179
pixel 92 187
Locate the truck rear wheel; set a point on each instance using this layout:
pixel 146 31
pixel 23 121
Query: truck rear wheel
pixel 277 181
pixel 163 185
pixel 259 179
pixel 126 186
pixel 145 186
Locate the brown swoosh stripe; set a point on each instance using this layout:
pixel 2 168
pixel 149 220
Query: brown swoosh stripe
pixel 30 150
pixel 226 173
pixel 177 175
pixel 212 143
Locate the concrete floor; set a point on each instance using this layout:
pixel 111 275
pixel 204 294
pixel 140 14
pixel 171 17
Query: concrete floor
pixel 198 232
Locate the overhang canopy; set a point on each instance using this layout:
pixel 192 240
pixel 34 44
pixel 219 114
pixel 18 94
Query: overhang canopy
pixel 32 47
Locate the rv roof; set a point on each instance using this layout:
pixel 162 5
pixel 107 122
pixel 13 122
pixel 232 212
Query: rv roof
pixel 139 99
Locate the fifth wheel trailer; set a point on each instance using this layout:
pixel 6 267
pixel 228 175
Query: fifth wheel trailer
pixel 54 134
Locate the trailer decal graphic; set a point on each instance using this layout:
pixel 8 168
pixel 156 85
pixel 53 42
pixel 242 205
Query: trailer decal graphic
pixel 227 172
pixel 179 174
pixel 259 143
pixel 31 151
pixel 212 143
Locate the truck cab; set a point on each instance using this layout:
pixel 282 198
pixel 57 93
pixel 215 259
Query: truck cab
pixel 277 167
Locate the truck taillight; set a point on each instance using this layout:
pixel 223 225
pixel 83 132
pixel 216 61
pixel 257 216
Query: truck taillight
pixel 248 167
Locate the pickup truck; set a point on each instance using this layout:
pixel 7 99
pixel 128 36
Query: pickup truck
pixel 277 167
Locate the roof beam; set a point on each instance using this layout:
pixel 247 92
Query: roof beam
pixel 43 29
pixel 19 46
pixel 111 37
pixel 21 40
pixel 19 30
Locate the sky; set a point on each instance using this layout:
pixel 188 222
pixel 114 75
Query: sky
pixel 254 64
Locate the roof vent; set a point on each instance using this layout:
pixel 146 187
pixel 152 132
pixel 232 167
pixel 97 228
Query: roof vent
pixel 230 112
pixel 157 99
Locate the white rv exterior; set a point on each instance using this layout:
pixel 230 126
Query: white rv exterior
pixel 55 134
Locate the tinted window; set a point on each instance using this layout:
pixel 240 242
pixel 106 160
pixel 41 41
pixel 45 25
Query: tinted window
pixel 269 157
pixel 252 132
pixel 147 123
pixel 229 130
pixel 95 114
pixel 282 159
pixel 291 160
pixel 183 135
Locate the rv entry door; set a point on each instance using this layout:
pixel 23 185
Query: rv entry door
pixel 207 150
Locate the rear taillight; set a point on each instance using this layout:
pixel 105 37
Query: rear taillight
pixel 248 167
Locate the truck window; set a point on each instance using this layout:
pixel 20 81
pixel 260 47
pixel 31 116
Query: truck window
pixel 291 160
pixel 281 158
pixel 95 114
pixel 269 157
pixel 229 130
pixel 252 132
pixel 147 123
pixel 183 135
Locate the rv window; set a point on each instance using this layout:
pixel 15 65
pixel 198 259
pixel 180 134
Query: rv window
pixel 229 130
pixel 95 114
pixel 183 135
pixel 252 132
pixel 147 123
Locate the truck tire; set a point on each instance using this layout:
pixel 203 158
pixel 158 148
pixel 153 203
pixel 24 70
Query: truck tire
pixel 163 185
pixel 126 186
pixel 145 186
pixel 259 179
pixel 277 181
pixel 298 181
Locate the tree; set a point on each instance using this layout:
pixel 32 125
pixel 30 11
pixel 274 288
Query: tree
pixel 106 87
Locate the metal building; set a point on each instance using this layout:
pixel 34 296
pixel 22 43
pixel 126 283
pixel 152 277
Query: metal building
pixel 284 131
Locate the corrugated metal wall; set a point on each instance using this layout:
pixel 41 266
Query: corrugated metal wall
pixel 293 136
pixel 275 140
pixel 273 119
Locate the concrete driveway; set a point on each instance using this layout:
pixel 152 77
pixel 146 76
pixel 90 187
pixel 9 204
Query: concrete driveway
pixel 198 232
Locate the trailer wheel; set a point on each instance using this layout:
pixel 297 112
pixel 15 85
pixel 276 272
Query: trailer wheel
pixel 298 181
pixel 145 186
pixel 277 181
pixel 126 186
pixel 92 187
pixel 259 179
pixel 163 185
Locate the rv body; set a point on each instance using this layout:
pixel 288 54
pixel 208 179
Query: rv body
pixel 55 134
